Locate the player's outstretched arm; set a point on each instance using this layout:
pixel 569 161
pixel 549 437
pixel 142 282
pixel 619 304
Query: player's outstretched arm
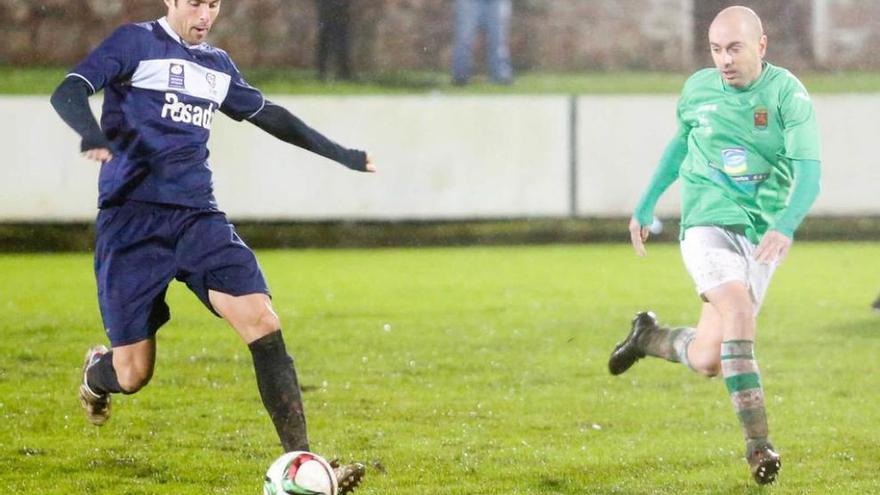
pixel 71 101
pixel 664 176
pixel 279 122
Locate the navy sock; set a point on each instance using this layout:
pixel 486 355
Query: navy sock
pixel 101 377
pixel 279 390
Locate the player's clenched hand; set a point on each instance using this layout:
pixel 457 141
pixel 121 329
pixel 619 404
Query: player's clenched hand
pixel 774 246
pixel 101 155
pixel 371 167
pixel 638 234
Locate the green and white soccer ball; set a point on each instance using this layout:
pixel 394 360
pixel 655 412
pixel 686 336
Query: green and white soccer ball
pixel 300 473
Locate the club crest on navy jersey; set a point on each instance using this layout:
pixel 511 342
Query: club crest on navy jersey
pixel 212 82
pixel 176 76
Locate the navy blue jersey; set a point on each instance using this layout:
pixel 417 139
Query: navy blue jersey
pixel 160 96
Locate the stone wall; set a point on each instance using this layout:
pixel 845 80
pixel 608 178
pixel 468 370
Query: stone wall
pixel 849 34
pixel 555 35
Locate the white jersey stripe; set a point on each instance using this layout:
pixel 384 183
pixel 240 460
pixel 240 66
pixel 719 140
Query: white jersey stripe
pixel 182 76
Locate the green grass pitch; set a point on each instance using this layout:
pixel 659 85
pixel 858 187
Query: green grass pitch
pixel 451 371
pixel 43 80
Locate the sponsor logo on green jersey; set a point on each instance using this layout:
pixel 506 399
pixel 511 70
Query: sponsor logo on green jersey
pixel 735 160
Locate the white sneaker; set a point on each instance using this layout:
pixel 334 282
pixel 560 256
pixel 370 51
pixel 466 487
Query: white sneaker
pixel 97 406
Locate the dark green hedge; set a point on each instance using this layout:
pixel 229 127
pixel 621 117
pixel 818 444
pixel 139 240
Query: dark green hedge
pixel 48 237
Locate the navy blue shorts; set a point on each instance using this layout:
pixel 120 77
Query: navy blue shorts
pixel 141 247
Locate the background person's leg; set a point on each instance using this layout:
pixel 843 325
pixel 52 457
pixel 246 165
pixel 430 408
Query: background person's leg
pixel 341 33
pixel 466 26
pixel 498 14
pixel 322 52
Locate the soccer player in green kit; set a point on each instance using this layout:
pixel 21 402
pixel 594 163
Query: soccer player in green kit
pixel 747 154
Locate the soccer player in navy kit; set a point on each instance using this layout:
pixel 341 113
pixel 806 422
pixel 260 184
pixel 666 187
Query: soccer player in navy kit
pixel 158 219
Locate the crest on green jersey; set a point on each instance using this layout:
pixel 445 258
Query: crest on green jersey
pixel 761 118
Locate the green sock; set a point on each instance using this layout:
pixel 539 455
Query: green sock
pixel 669 344
pixel 743 381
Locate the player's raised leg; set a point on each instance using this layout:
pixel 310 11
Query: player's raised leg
pixel 648 338
pixel 697 348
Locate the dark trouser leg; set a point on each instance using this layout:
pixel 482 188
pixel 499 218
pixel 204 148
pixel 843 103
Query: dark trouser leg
pixel 341 39
pixel 325 20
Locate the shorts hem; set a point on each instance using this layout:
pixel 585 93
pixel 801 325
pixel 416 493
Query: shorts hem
pixel 152 330
pixel 233 293
pixel 702 290
pixel 114 344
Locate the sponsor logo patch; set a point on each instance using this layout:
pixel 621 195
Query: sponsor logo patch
pixel 176 76
pixel 735 160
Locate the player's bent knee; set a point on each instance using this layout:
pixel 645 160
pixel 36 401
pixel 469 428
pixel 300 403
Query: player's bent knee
pixel 268 322
pixel 709 371
pixel 741 314
pixel 253 323
pixel 706 365
pixel 262 319
pixel 132 379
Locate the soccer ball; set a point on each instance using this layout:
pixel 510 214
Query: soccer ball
pixel 300 473
pixel 656 227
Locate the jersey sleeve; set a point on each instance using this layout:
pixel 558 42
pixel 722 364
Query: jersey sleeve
pixel 801 133
pixel 243 100
pixel 683 129
pixel 115 59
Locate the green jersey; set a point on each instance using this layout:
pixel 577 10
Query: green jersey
pixel 740 145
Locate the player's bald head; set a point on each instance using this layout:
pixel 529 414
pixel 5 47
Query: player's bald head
pixel 738 45
pixel 738 20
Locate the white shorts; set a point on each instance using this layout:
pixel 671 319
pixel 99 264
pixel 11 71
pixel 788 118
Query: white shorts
pixel 714 256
